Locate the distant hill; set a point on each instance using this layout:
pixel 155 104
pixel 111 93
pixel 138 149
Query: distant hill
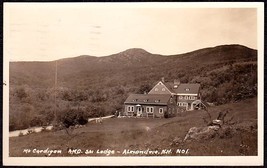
pixel 227 73
pixel 126 65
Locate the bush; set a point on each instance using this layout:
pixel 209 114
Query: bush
pixel 20 134
pixel 21 93
pixel 36 121
pixel 95 111
pixel 144 88
pixel 12 123
pixel 166 115
pixel 71 117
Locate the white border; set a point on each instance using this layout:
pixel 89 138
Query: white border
pixel 181 160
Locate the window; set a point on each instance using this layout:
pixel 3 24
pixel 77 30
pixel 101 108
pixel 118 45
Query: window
pixel 163 89
pixel 145 100
pixel 187 89
pixel 134 100
pixel 156 89
pixel 193 98
pixel 180 97
pixel 149 109
pixel 157 101
pixel 160 110
pixel 130 108
pixel 182 104
pixel 186 97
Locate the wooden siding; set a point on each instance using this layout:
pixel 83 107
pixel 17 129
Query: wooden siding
pixel 159 88
pixel 156 110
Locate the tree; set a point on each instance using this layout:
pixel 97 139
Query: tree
pixel 71 117
pixel 144 88
pixel 21 93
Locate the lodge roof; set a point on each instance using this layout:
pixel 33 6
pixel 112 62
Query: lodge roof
pixel 153 99
pixel 183 88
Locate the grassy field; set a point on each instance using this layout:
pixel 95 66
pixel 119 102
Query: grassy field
pixel 142 134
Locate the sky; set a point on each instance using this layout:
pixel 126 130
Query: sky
pixel 45 32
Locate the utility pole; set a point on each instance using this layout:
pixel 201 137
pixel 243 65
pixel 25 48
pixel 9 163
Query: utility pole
pixel 55 94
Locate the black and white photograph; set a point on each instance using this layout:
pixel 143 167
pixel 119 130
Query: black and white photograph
pixel 133 84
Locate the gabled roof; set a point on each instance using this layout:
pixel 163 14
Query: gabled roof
pixel 183 88
pixel 160 84
pixel 153 99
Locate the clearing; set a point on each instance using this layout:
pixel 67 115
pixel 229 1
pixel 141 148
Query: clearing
pixel 118 134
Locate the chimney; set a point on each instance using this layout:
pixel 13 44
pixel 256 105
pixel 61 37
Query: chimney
pixel 162 79
pixel 176 83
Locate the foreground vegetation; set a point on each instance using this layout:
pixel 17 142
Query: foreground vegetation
pixel 154 134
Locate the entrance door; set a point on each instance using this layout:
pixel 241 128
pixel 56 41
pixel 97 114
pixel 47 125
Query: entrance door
pixel 139 111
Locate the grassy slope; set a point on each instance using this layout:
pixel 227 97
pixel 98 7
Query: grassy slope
pixel 129 133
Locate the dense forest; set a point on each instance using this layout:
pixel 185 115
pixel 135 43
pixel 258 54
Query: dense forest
pixel 90 86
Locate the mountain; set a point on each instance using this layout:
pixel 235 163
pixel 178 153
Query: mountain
pixel 226 73
pixel 41 74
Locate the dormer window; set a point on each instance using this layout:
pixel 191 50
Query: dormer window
pixel 187 89
pixel 134 100
pixel 156 89
pixel 145 100
pixel 157 101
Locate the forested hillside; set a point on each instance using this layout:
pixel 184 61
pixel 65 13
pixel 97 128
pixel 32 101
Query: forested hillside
pixel 90 86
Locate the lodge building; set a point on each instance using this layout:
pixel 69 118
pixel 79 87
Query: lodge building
pixel 165 98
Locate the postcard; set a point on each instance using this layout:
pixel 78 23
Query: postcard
pixel 133 84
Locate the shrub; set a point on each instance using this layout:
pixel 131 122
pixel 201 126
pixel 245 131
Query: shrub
pixel 144 88
pixel 36 121
pixel 20 134
pixel 71 117
pixel 21 93
pixel 95 110
pixel 166 115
